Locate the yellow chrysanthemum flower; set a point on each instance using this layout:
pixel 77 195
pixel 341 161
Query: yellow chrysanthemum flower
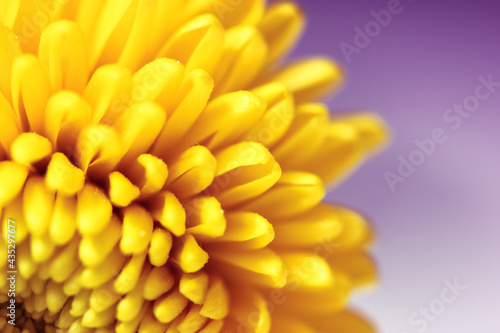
pixel 159 174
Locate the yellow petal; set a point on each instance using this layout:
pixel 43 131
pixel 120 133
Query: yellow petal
pixel 30 91
pixel 149 324
pixel 64 51
pixel 55 296
pixel 193 321
pixel 311 282
pixel 10 49
pixel 92 318
pixel 92 277
pixel 138 128
pixel 341 322
pixel 10 127
pixel 107 329
pixel 247 230
pixel 231 13
pixel 87 13
pixel 25 264
pixel 194 286
pixel 110 30
pixel 99 149
pixel 161 244
pixel 278 117
pixel 249 312
pixel 32 18
pixel 244 171
pixel 149 173
pixel 62 176
pixel 43 272
pixel 213 326
pixel 189 255
pixel 135 45
pixel 137 230
pixel 64 264
pixel 159 281
pixel 311 79
pixel 169 307
pixel 65 319
pixel 14 212
pixel 40 304
pixel 307 271
pixel 192 172
pixel 63 221
pixel 132 325
pixel 216 305
pixel 340 152
pixel 8 12
pixel 167 210
pixel 66 115
pixel 371 129
pixel 29 148
pixel 184 108
pixel 72 285
pixel 129 276
pixel 226 119
pixel 358 265
pixel 289 324
pixel 196 44
pixel 94 249
pixel 12 177
pixel 308 229
pixel 37 205
pixel 103 297
pixel 294 193
pixel 158 81
pixel 355 230
pixel 206 219
pixel 244 55
pixel 108 93
pixel 281 26
pixel 93 210
pixel 121 190
pixel 80 303
pixel 37 285
pixel 263 266
pixel 306 134
pixel 167 15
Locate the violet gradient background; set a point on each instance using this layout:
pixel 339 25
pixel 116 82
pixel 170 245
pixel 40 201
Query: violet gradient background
pixel 444 221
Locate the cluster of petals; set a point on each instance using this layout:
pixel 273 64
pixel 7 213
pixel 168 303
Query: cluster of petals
pixel 165 171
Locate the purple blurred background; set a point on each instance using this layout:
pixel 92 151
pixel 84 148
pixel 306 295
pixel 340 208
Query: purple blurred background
pixel 443 222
